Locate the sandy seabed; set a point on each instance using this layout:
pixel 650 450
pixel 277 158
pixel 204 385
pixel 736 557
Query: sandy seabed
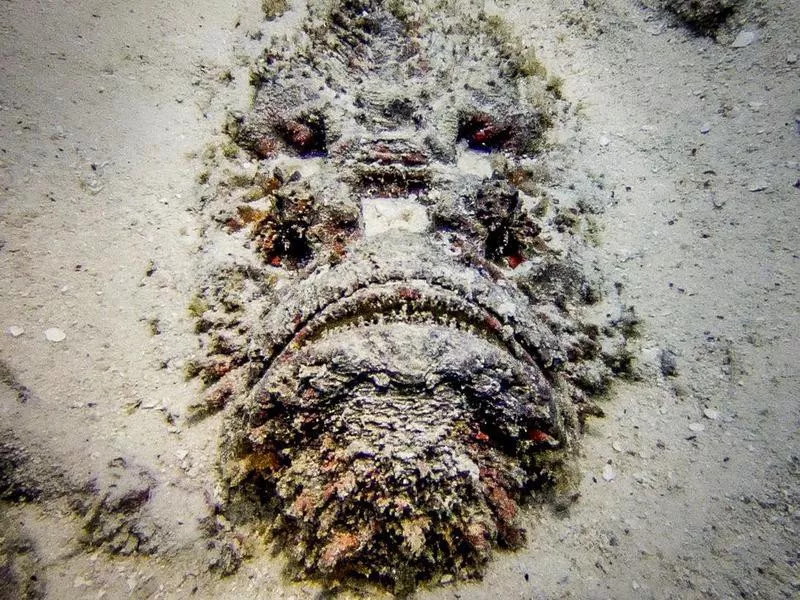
pixel 688 148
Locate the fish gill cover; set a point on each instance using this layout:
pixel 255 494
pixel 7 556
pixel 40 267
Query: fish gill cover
pixel 391 309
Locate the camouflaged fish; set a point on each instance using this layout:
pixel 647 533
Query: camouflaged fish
pixel 389 315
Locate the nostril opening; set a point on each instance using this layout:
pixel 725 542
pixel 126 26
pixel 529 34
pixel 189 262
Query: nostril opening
pixel 399 110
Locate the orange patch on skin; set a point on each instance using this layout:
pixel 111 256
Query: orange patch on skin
pixel 329 492
pixel 339 249
pixel 267 147
pixel 342 545
pixel 234 224
pixel 539 436
pixel 304 504
pixel 271 184
pixel 264 461
pixel 248 214
pixel 217 369
pixel 218 395
pixel 506 507
pixel 495 492
pixel 477 535
pixel 330 465
pixel 481 437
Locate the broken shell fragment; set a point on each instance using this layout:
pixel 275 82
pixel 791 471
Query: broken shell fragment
pixel 54 334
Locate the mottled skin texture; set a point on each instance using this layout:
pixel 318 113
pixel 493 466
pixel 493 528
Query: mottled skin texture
pixel 394 392
pixel 704 16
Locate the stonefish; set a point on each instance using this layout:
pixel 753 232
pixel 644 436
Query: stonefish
pixel 390 314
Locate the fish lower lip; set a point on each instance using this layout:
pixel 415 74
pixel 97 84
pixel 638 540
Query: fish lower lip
pixel 416 359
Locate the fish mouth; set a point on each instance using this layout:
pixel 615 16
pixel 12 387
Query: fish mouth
pixel 405 277
pixel 407 301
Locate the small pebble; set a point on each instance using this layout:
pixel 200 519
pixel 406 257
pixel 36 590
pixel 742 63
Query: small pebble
pixel 618 446
pixel 604 141
pixel 669 363
pixel 710 413
pixel 705 128
pixel 757 187
pixel 697 427
pixel 608 473
pixel 54 334
pixel 15 331
pixel 745 38
pixel 791 58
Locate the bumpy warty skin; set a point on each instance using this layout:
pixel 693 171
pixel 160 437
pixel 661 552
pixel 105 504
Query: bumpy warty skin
pixel 391 392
